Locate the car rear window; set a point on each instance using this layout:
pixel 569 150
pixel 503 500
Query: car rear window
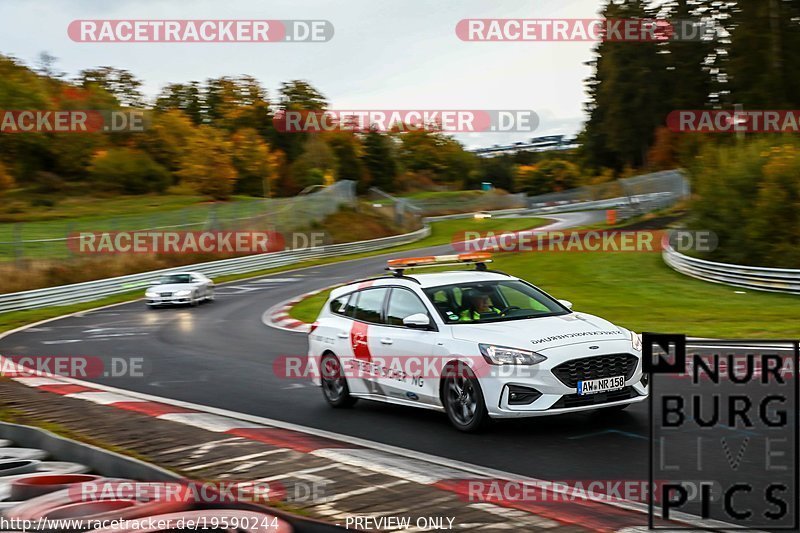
pixel 339 305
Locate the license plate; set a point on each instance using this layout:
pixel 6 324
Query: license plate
pixel 593 386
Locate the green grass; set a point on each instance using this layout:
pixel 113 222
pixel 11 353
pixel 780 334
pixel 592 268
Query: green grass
pixel 442 232
pixel 22 221
pixel 640 292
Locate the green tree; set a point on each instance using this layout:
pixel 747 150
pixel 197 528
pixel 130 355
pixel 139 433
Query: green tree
pixel 436 155
pixel 120 83
pixel 185 97
pixel 297 95
pixel 762 63
pixel 128 171
pixel 346 147
pixel 628 95
pixel 379 160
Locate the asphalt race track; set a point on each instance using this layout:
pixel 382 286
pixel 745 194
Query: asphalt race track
pixel 221 355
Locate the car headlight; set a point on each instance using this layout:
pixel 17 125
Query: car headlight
pixel 183 293
pixel 636 341
pixel 150 294
pixel 502 355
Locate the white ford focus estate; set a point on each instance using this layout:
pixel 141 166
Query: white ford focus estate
pixel 475 344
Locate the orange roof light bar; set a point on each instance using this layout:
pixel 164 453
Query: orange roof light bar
pixel 435 260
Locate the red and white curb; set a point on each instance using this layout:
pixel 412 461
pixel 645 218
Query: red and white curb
pixel 278 316
pixel 592 512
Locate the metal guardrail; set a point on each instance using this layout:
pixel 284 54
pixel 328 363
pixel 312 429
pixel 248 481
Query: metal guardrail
pixel 756 278
pixel 94 290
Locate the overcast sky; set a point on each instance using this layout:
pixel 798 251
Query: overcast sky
pixel 386 54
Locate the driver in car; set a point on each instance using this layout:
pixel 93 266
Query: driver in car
pixel 480 304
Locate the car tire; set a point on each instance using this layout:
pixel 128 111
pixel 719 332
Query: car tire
pixel 194 302
pixel 210 295
pixel 334 383
pixel 463 399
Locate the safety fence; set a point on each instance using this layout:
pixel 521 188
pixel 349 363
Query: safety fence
pixel 635 195
pixel 50 240
pixel 750 277
pixel 94 290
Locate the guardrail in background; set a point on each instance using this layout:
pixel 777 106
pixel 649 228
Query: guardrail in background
pixel 94 290
pixel 757 278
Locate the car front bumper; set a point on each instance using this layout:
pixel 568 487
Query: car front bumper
pixel 168 300
pixel 554 395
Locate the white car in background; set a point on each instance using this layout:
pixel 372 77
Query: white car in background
pixel 475 344
pixel 180 288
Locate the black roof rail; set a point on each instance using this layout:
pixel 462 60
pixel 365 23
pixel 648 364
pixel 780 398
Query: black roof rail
pixel 376 278
pixel 398 273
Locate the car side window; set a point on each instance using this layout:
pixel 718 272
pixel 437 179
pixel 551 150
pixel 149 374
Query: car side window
pixel 403 303
pixel 369 307
pixel 339 305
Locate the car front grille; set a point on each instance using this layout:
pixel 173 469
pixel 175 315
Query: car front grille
pixel 166 294
pixel 601 366
pixel 575 400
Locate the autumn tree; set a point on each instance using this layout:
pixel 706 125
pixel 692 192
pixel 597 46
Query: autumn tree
pixel 253 161
pixel 550 175
pixel 168 138
pixel 6 180
pixel 316 165
pixel 207 164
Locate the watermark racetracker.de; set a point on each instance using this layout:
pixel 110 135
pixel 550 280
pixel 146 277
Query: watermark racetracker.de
pixel 73 121
pixel 402 120
pixel 200 31
pixel 580 30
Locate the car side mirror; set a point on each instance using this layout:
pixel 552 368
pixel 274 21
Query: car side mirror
pixel 417 321
pixel 566 303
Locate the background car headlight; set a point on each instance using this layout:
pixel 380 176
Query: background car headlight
pixel 636 341
pixel 183 293
pixel 502 355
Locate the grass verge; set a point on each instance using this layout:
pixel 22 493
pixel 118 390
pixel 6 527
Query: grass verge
pixel 640 292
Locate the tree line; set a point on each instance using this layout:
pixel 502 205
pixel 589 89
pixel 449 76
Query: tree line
pixel 218 138
pixel 747 187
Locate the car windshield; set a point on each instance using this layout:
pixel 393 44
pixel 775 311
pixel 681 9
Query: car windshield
pixel 494 301
pixel 175 278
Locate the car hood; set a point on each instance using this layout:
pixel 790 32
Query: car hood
pixel 172 287
pixel 540 334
